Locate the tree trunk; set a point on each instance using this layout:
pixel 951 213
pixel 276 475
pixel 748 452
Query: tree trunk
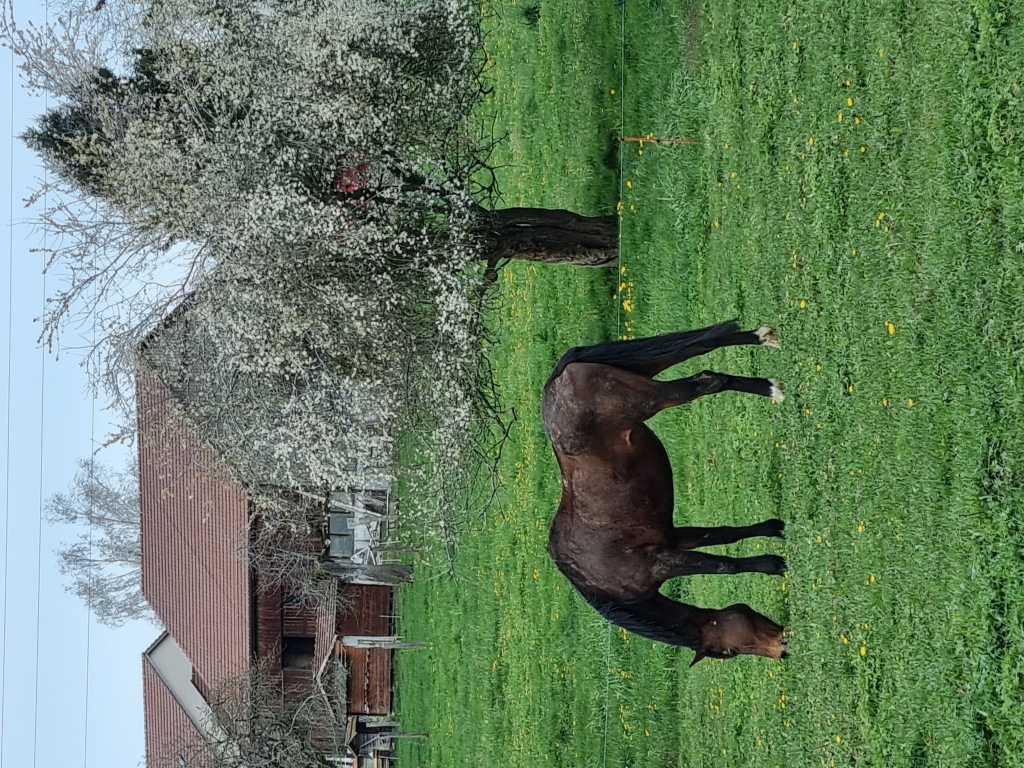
pixel 551 236
pixel 388 573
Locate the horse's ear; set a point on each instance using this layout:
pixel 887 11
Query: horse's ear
pixel 697 657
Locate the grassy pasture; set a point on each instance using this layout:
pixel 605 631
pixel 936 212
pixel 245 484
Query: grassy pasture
pixel 889 252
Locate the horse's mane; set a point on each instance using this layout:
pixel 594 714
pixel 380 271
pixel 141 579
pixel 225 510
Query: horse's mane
pixel 649 618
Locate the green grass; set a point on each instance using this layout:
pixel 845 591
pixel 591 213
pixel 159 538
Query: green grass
pixel 896 459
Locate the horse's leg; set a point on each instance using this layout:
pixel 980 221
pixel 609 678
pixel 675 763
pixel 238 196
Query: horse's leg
pixel 691 538
pixel 668 563
pixel 651 356
pixel 622 398
pixel 682 391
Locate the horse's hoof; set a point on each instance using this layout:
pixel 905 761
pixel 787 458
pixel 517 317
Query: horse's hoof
pixel 776 528
pixel 768 337
pixel 776 565
pixel 776 393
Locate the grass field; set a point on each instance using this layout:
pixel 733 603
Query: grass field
pixel 859 183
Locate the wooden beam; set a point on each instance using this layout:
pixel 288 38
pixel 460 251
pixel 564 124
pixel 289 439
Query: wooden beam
pixel 369 573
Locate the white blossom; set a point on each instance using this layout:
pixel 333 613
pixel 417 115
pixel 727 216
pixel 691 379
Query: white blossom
pixel 327 322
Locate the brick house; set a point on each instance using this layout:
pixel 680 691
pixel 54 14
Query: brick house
pixel 217 620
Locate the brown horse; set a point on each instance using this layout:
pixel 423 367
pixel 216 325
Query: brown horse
pixel 613 535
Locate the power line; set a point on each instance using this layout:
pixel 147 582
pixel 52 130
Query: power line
pixel 42 424
pixel 7 461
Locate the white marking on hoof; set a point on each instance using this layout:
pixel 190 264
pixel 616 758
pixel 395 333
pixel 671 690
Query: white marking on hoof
pixel 776 394
pixel 768 337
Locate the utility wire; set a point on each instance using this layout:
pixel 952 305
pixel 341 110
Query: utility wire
pixel 42 425
pixel 7 467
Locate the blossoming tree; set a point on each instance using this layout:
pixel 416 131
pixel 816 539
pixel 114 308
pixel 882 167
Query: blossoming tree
pixel 310 176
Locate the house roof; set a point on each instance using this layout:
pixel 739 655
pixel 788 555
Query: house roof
pixel 177 714
pixel 193 518
pixel 169 733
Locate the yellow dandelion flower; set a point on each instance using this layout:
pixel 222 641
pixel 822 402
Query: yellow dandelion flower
pixel 840 118
pixel 863 149
pixel 849 101
pixel 856 121
pixel 727 145
pixel 863 651
pixel 803 304
pixel 613 91
pixel 854 251
pixel 810 140
pixel 890 327
pixel 885 402
pixel 629 184
pixel 861 527
pixel 845 639
pixel 847 83
pixel 839 739
pixel 796 45
pixel 910 402
pixel 627 305
pixel 850 388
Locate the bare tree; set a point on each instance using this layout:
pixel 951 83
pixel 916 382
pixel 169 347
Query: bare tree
pixel 249 726
pixel 104 563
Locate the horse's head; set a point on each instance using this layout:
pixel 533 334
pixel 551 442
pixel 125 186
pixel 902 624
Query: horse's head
pixel 739 629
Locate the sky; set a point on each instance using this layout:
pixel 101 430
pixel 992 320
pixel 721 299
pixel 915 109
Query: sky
pixel 70 689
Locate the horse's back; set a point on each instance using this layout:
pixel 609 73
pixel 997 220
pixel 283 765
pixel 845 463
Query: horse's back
pixel 585 405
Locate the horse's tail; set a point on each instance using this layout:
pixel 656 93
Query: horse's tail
pixel 638 355
pixel 656 618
